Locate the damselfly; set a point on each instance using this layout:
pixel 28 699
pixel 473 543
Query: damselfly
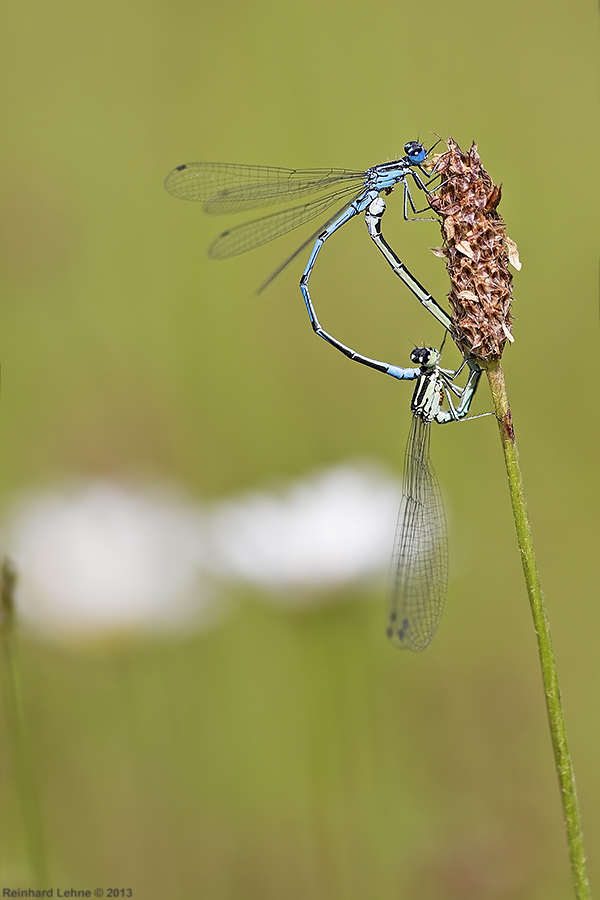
pixel 420 554
pixel 230 188
pixel 420 562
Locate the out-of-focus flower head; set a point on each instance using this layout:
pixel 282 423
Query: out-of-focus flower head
pixel 104 557
pixel 326 531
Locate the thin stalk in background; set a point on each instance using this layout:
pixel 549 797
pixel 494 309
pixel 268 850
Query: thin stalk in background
pixel 16 744
pixel 478 252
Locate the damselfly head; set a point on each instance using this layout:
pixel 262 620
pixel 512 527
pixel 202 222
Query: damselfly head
pixel 425 356
pixel 416 152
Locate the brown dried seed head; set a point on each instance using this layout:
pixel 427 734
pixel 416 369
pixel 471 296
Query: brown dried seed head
pixel 477 252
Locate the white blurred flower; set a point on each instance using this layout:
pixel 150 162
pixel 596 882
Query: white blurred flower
pixel 328 530
pixel 105 557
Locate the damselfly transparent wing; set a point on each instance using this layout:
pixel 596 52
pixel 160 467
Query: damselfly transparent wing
pixel 250 235
pixel 230 188
pixel 420 563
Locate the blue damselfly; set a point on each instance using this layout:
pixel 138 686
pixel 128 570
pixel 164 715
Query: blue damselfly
pixel 231 188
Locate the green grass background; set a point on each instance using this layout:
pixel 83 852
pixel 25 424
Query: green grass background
pixel 299 755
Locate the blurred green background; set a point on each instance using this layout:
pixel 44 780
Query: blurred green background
pixel 299 755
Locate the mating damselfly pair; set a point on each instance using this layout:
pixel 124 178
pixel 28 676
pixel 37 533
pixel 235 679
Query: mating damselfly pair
pixel 420 563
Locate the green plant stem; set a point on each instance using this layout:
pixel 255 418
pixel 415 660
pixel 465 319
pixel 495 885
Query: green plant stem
pixel 564 768
pixel 16 734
